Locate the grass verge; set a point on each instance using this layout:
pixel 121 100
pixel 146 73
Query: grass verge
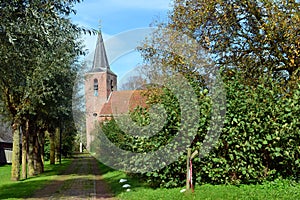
pixel 280 189
pixel 25 188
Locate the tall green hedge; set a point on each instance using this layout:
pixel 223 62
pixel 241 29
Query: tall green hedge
pixel 261 136
pixel 260 139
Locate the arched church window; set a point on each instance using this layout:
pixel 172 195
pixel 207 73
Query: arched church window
pixel 95 87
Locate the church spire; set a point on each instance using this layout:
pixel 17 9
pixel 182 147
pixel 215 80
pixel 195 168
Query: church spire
pixel 100 63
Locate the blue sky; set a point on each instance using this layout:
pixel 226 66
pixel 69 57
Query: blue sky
pixel 119 16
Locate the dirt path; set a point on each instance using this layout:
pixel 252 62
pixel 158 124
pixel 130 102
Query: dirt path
pixel 82 180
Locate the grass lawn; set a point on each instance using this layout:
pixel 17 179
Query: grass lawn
pixel 25 188
pixel 281 189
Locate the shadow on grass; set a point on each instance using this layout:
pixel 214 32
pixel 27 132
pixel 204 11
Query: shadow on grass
pixel 73 178
pixel 26 187
pixel 21 189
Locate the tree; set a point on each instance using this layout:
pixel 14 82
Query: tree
pixel 133 83
pixel 257 37
pixel 38 47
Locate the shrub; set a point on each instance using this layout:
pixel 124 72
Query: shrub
pixel 260 139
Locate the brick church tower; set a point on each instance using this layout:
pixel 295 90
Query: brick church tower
pixel 100 81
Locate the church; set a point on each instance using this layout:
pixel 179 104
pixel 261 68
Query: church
pixel 102 99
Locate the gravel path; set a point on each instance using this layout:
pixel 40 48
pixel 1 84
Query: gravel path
pixel 82 180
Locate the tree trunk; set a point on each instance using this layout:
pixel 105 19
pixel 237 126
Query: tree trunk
pixel 30 157
pixel 15 169
pixel 57 144
pixel 38 164
pixel 52 148
pixel 24 149
pixel 42 141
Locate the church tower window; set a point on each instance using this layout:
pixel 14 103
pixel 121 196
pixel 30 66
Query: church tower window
pixel 95 87
pixel 111 85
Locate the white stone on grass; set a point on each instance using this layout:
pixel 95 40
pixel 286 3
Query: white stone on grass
pixel 122 180
pixel 126 186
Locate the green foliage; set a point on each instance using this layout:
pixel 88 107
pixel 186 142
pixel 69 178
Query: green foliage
pixel 174 175
pixel 259 141
pixel 69 143
pixel 134 143
pixel 38 57
pixel 256 43
pixel 260 138
pixel 47 148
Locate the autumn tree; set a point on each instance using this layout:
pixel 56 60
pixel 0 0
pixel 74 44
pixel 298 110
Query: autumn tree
pixel 135 82
pixel 258 37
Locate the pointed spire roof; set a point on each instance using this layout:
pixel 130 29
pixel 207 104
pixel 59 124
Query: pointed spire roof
pixel 100 62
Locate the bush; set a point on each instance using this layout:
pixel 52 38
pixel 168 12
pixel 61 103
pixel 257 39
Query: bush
pixel 259 140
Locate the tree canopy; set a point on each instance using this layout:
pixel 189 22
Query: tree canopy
pixel 38 56
pixel 258 37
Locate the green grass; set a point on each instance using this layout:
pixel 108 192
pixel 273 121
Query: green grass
pixel 275 190
pixel 281 189
pixel 112 177
pixel 25 188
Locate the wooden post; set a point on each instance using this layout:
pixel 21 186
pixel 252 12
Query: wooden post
pixel 188 168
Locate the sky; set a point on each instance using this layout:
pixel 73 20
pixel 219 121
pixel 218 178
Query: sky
pixel 119 18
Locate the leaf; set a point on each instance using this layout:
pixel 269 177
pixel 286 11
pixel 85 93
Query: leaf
pixel 265 142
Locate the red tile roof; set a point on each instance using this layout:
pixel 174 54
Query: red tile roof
pixel 121 102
